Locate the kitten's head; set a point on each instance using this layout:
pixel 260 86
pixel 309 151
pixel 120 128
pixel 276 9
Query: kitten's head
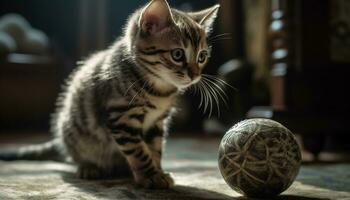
pixel 170 44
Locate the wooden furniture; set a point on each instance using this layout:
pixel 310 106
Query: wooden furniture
pixel 308 88
pixel 29 85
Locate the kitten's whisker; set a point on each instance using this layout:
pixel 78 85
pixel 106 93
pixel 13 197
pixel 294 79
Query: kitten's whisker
pixel 216 81
pixel 215 95
pixel 220 92
pixel 219 39
pixel 211 89
pixel 137 93
pixel 202 103
pixel 220 80
pixel 194 88
pixel 220 35
pixel 131 86
pixel 210 97
pixel 206 100
pixel 201 94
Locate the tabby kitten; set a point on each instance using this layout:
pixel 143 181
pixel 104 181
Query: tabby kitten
pixel 114 112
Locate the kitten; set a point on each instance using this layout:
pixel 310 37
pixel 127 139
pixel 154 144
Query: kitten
pixel 114 112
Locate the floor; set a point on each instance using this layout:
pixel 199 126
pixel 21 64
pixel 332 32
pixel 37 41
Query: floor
pixel 191 160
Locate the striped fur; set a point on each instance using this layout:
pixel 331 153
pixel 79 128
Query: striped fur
pixel 112 117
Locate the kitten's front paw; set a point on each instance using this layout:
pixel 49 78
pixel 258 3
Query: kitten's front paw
pixel 156 158
pixel 159 180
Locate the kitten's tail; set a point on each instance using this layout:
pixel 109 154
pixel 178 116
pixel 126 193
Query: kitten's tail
pixel 46 151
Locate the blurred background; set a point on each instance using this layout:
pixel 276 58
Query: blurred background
pixel 289 60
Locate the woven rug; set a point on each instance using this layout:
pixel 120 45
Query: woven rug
pixel 192 163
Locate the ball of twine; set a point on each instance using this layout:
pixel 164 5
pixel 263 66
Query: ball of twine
pixel 259 157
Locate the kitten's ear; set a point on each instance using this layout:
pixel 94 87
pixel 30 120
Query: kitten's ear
pixel 206 17
pixel 155 16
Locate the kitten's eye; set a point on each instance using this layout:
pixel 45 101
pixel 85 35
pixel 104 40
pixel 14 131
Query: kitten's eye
pixel 203 55
pixel 178 55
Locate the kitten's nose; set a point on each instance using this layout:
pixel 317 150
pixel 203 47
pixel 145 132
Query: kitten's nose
pixel 193 71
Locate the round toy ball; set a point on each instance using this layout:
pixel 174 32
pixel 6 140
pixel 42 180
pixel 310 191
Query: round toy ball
pixel 259 158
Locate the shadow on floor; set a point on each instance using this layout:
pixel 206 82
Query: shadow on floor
pixel 283 197
pixel 125 189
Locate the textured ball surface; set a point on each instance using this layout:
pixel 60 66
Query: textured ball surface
pixel 259 158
